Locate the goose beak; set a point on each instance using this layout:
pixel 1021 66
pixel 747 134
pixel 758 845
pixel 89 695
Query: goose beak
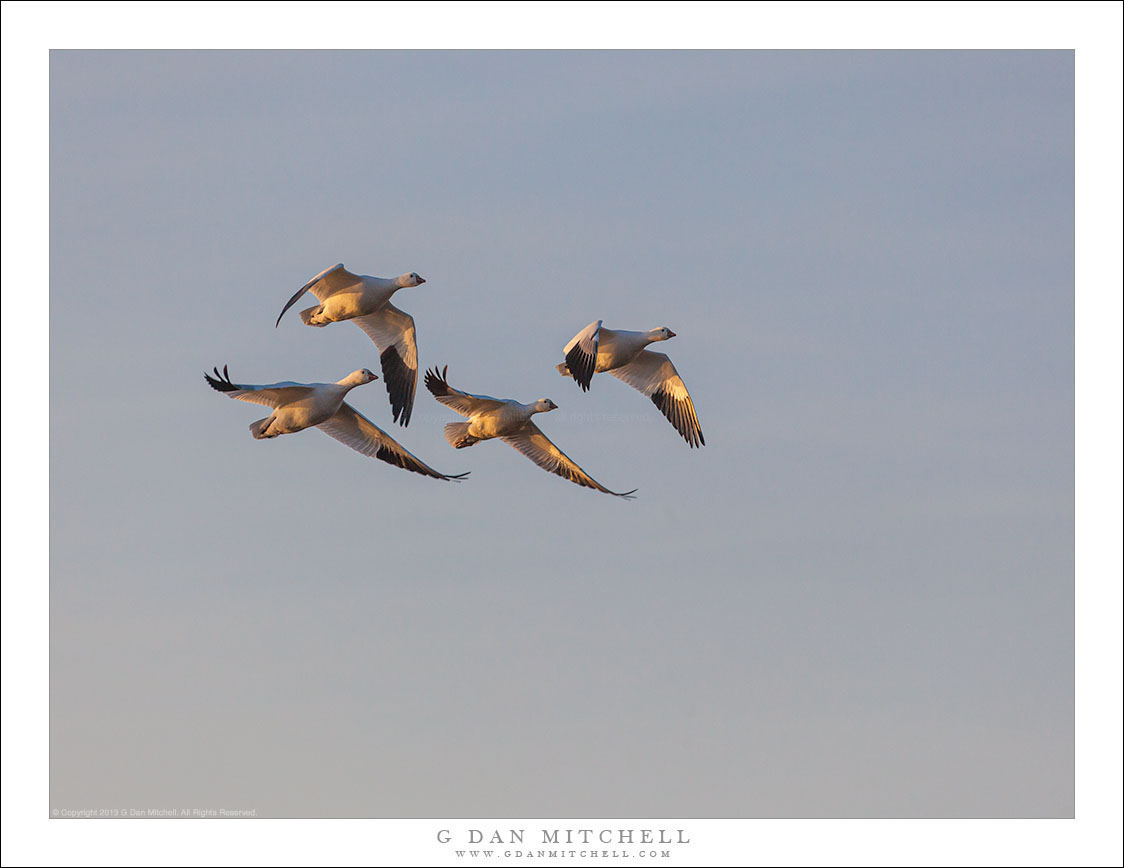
pixel 670 333
pixel 421 280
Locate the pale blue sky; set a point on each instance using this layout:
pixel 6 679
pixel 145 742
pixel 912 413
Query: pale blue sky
pixel 856 600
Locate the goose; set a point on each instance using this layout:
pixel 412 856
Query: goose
pixel 510 421
pixel 624 354
pixel 297 406
pixel 366 302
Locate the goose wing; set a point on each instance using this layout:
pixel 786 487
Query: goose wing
pixel 581 354
pixel 272 395
pixel 463 402
pixel 392 330
pixel 353 429
pixel 655 376
pixel 326 283
pixel 538 447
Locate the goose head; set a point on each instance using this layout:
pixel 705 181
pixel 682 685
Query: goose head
pixel 359 378
pixel 661 334
pixel 544 405
pixel 411 279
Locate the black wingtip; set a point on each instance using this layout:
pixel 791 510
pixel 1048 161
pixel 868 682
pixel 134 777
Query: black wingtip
pixel 220 382
pixel 401 382
pixel 581 366
pixel 437 383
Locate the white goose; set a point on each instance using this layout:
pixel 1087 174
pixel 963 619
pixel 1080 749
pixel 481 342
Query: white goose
pixel 297 406
pixel 511 422
pixel 366 302
pixel 623 354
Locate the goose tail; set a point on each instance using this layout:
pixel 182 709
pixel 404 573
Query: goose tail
pixel 457 435
pixel 258 428
pixel 308 314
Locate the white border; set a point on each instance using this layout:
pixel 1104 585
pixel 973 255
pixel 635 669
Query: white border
pixel 1093 29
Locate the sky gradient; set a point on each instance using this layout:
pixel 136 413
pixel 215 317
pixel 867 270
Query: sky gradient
pixel 855 601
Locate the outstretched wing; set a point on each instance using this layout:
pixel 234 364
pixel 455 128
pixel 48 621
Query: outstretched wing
pixel 353 429
pixel 455 399
pixel 272 395
pixel 538 447
pixel 581 354
pixel 392 330
pixel 326 283
pixel 655 376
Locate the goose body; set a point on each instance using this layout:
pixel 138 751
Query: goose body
pixel 625 355
pixel 365 301
pixel 511 421
pixel 297 406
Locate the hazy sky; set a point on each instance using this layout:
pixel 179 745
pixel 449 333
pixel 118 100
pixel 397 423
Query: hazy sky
pixel 856 601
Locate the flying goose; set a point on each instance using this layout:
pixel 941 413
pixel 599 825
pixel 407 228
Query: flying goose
pixel 366 302
pixel 297 406
pixel 511 422
pixel 623 354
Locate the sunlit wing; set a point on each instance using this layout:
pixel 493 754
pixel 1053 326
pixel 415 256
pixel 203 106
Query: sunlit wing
pixel 353 429
pixel 326 283
pixel 581 354
pixel 463 402
pixel 655 376
pixel 272 395
pixel 392 330
pixel 538 447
